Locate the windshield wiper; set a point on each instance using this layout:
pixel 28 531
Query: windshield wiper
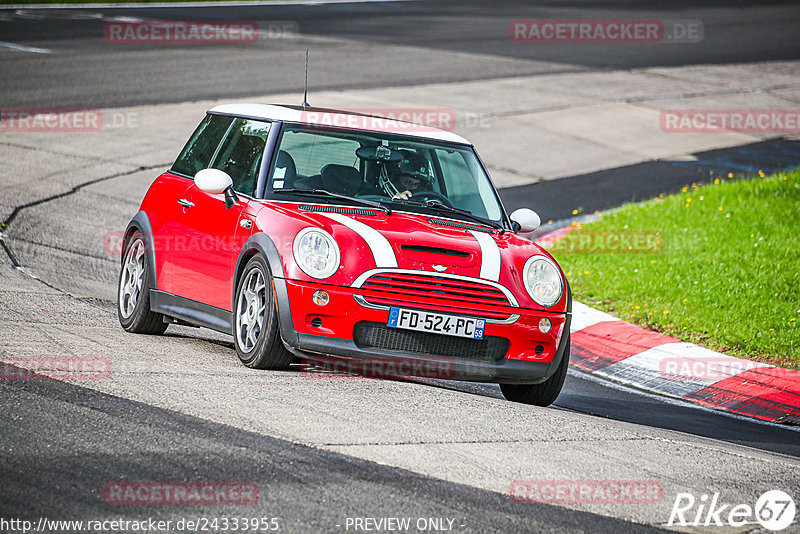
pixel 441 206
pixel 323 192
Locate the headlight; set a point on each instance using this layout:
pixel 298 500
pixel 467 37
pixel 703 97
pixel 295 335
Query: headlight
pixel 316 252
pixel 542 281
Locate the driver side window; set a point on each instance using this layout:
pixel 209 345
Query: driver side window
pixel 241 152
pixel 197 153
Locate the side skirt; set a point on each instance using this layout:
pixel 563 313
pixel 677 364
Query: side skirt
pixel 191 311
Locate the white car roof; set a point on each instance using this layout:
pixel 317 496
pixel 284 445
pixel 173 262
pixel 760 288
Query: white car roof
pixel 340 118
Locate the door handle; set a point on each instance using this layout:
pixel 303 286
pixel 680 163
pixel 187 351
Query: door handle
pixel 185 203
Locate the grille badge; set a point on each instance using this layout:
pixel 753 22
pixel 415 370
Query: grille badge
pixel 439 268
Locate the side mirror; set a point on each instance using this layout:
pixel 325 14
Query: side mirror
pixel 215 181
pixel 526 219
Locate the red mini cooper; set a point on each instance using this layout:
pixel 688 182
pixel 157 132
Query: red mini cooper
pixel 337 236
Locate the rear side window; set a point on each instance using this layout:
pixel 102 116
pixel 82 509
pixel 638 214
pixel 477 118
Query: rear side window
pixel 201 146
pixel 241 152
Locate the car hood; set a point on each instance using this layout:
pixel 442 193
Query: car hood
pixel 370 240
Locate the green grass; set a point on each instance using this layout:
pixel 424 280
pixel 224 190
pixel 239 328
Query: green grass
pixel 727 275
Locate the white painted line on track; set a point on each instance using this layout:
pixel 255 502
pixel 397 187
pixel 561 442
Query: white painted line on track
pixel 240 3
pixel 22 48
pixel 661 397
pixel 647 370
pixel 66 14
pixel 584 316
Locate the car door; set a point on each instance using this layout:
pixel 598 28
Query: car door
pixel 214 234
pixel 168 225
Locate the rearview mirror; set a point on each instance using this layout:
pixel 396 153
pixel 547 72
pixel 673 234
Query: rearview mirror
pixel 527 219
pixel 213 181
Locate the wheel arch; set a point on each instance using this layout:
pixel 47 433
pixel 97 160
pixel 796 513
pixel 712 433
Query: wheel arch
pixel 261 244
pixel 141 222
pixel 258 243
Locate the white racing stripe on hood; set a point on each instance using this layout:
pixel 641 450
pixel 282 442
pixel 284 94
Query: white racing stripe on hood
pixel 378 244
pixel 490 256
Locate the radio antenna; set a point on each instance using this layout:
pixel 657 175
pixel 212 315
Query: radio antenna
pixel 305 89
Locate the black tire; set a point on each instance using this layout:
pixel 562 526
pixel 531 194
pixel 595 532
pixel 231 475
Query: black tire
pixel 139 319
pixel 543 394
pixel 268 351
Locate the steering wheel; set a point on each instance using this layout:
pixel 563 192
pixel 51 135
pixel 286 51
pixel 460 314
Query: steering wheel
pixel 432 195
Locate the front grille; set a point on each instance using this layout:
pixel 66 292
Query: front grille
pixel 334 209
pixel 433 290
pixel 369 335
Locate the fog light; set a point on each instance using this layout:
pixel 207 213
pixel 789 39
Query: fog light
pixel 544 325
pixel 321 298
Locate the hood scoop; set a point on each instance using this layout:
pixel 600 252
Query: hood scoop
pixel 430 255
pixel 435 250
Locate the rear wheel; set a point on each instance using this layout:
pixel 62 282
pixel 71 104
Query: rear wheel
pixel 133 295
pixel 258 342
pixel 543 394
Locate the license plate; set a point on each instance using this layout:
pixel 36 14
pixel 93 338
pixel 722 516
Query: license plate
pixel 438 323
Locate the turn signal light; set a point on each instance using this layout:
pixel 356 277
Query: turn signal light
pixel 544 325
pixel 320 298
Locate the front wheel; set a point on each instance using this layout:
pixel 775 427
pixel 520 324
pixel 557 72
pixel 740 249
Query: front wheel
pixel 258 342
pixel 133 295
pixel 543 394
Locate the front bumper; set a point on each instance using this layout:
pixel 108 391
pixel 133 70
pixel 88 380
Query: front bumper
pixel 330 334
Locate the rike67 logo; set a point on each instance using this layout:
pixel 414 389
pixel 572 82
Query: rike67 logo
pixel 774 510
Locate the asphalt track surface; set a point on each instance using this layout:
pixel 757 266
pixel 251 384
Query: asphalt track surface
pixel 379 44
pixel 360 45
pixel 613 187
pixel 97 438
pixel 59 443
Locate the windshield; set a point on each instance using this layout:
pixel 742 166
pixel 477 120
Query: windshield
pixel 402 173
